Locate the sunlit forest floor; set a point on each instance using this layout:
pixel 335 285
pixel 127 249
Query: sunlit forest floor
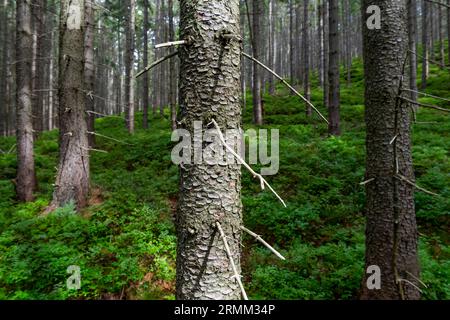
pixel 125 240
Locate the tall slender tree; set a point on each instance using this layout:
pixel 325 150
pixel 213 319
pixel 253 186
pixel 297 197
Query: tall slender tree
pixel 26 176
pixel 89 69
pixel 145 90
pixel 425 42
pixel 129 65
pixel 172 71
pixel 209 90
pixel 391 231
pixel 306 48
pixel 333 71
pixel 72 180
pixel 258 11
pixel 412 45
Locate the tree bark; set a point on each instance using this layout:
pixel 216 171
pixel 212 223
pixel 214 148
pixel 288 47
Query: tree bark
pixel 333 72
pixel 391 231
pixel 209 89
pixel 448 30
pixel 89 69
pixel 257 73
pixel 326 55
pixel 26 176
pixel 271 46
pixel 425 41
pixel 129 65
pixel 306 48
pixel 172 71
pixel 4 68
pixel 145 91
pixel 412 29
pixel 72 180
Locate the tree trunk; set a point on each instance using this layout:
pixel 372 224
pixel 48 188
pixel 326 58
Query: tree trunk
pixel 391 231
pixel 129 65
pixel 209 89
pixel 72 180
pixel 448 30
pixel 326 55
pixel 333 72
pixel 4 68
pixel 172 71
pixel 89 69
pixel 271 47
pixel 306 48
pixel 440 37
pixel 145 91
pixel 412 29
pixel 26 176
pixel 425 40
pixel 257 72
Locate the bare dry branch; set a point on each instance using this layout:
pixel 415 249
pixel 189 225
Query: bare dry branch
pixel 287 85
pixel 230 257
pixel 439 3
pixel 242 161
pixel 154 64
pixel 170 44
pixel 426 94
pixel 268 246
pixel 403 178
pixel 109 138
pixel 430 106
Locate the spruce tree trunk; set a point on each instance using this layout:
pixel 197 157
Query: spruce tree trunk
pixel 89 69
pixel 72 180
pixel 271 47
pixel 145 91
pixel 257 72
pixel 412 29
pixel 306 48
pixel 425 41
pixel 448 30
pixel 39 65
pixel 391 231
pixel 172 81
pixel 26 176
pixel 129 66
pixel 209 89
pixel 4 68
pixel 333 72
pixel 326 55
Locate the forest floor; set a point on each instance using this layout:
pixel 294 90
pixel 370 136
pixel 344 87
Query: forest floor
pixel 125 243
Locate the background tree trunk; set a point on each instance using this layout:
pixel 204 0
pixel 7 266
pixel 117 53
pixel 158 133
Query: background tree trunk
pixel 305 50
pixel 89 69
pixel 257 72
pixel 72 181
pixel 209 89
pixel 145 91
pixel 425 40
pixel 172 71
pixel 26 176
pixel 391 231
pixel 333 73
pixel 129 65
pixel 326 55
pixel 412 29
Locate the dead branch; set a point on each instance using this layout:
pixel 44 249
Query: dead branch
pixel 154 64
pixel 242 161
pixel 430 106
pixel 170 44
pixel 430 60
pixel 287 85
pixel 268 246
pixel 426 94
pixel 109 138
pixel 439 3
pixel 233 266
pixel 403 178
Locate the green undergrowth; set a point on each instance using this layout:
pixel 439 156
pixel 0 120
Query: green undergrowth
pixel 124 242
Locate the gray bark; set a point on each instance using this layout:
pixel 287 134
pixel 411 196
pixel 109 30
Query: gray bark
pixel 425 41
pixel 129 66
pixel 209 89
pixel 89 68
pixel 258 11
pixel 391 231
pixel 306 48
pixel 333 72
pixel 412 29
pixel 26 176
pixel 72 181
pixel 145 91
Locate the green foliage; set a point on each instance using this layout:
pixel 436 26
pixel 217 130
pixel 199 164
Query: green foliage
pixel 124 242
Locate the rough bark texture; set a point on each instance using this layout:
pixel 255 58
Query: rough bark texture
pixel 4 68
pixel 412 29
pixel 26 179
pixel 272 47
pixel 306 85
pixel 257 73
pixel 72 181
pixel 333 72
pixel 425 41
pixel 89 69
pixel 173 82
pixel 391 232
pixel 326 55
pixel 209 89
pixel 448 30
pixel 145 91
pixel 129 66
